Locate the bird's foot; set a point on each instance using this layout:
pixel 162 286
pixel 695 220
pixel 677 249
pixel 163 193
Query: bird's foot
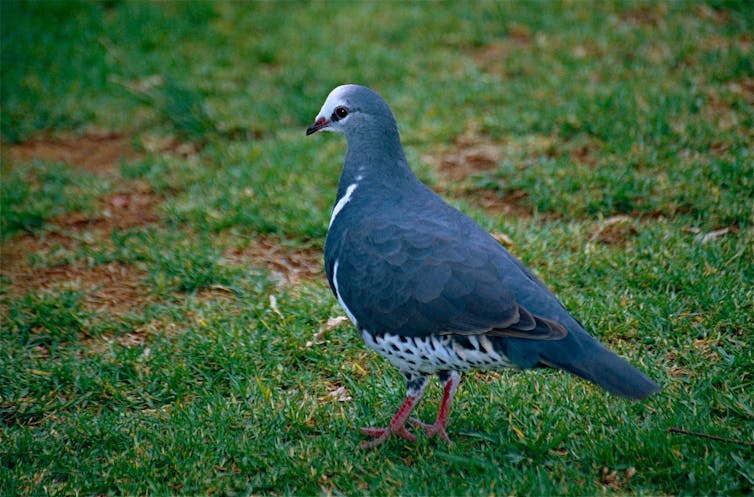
pixel 437 428
pixel 382 434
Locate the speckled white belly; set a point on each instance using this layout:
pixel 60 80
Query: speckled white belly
pixel 432 354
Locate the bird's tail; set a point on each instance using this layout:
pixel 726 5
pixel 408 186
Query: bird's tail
pixel 589 359
pixel 581 354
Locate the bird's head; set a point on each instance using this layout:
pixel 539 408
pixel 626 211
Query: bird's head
pixel 349 108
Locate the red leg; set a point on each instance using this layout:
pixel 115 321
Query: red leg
pixel 397 425
pixel 450 385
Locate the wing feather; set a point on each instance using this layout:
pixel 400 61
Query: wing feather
pixel 432 279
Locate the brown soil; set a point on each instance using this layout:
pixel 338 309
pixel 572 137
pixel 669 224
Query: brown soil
pixel 14 253
pixel 133 204
pixel 115 288
pixel 170 145
pixel 650 15
pixel 584 154
pixel 616 230
pixel 289 263
pixel 112 288
pixel 494 202
pixel 491 57
pixel 470 155
pixel 96 152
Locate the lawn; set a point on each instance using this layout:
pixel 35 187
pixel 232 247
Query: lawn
pixel 167 327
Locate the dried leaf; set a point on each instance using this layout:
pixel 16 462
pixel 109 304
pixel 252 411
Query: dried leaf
pixel 340 394
pixel 609 476
pixel 503 238
pixel 331 324
pixel 274 306
pixel 630 473
pixel 712 235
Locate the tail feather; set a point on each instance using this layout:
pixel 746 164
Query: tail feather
pixel 581 354
pixel 611 372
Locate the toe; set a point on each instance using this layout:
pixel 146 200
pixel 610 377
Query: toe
pixel 381 434
pixel 403 433
pixel 432 429
pixel 374 432
pixel 419 423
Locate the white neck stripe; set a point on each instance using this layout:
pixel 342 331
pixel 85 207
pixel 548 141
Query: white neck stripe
pixel 342 202
pixel 340 298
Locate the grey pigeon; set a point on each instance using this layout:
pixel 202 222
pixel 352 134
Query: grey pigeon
pixel 428 288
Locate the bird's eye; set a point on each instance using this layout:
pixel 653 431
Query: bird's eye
pixel 341 112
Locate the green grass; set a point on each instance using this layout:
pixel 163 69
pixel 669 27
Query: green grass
pixel 32 194
pixel 197 381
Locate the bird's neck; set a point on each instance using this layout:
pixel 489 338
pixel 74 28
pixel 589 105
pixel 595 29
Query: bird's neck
pixel 375 159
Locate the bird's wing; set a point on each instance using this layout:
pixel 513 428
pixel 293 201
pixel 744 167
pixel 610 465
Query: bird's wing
pixel 432 277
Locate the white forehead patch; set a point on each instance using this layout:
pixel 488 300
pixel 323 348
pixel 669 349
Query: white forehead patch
pixel 335 99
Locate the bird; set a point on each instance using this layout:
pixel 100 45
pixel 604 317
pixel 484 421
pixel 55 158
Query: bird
pixel 428 288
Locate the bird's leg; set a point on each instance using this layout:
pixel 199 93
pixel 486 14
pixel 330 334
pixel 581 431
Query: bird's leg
pixel 415 390
pixel 450 381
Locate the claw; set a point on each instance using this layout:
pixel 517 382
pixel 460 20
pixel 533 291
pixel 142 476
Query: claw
pixel 382 434
pixel 437 428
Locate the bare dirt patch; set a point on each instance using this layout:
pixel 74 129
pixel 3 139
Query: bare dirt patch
pixel 492 56
pixel 15 253
pixel 499 203
pixel 65 235
pixel 650 15
pixel 616 230
pixel 287 263
pixel 584 153
pixel 95 152
pixel 48 260
pixel 132 204
pixel 471 154
pixel 170 145
pixel 110 288
pixel 113 288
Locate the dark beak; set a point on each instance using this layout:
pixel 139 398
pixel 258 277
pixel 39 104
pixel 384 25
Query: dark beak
pixel 321 123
